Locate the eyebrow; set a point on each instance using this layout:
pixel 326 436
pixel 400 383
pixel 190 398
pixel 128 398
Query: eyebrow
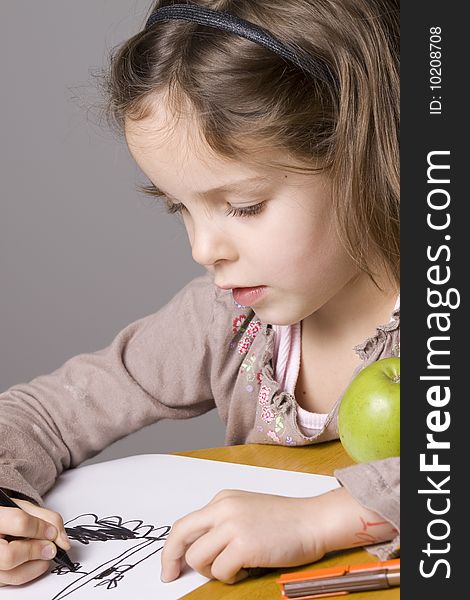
pixel 234 186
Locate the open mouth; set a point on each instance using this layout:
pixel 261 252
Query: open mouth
pixel 250 295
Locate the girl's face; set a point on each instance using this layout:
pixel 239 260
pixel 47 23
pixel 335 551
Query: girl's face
pixel 248 226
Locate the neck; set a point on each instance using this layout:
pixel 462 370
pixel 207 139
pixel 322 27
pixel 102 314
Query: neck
pixel 353 313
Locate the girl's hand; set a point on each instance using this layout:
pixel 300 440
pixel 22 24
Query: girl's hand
pixel 26 558
pixel 240 529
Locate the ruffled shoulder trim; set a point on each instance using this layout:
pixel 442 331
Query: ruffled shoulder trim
pixel 368 346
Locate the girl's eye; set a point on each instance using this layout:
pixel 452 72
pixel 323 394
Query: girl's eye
pixel 246 211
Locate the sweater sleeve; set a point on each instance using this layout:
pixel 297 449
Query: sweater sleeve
pixel 157 367
pixel 376 485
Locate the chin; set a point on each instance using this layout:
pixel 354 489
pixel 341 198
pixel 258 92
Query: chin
pixel 276 317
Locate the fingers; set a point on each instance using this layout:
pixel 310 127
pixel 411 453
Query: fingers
pixel 206 540
pixel 28 539
pixel 201 554
pixel 184 532
pixel 215 557
pixel 228 565
pixel 17 552
pixel 24 573
pixel 18 523
pixel 49 518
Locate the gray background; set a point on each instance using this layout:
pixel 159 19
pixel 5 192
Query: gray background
pixel 82 253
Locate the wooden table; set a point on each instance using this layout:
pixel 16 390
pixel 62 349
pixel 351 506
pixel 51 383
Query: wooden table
pixel 323 459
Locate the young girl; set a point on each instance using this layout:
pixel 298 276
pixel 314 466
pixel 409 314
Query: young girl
pixel 272 128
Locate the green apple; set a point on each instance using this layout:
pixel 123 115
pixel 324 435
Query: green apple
pixel 369 414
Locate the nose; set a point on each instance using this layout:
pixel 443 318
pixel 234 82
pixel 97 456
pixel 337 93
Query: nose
pixel 210 243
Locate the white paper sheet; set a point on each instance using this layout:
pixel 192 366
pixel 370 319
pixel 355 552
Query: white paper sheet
pixel 138 498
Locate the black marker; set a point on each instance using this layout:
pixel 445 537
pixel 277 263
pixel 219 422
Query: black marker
pixel 61 557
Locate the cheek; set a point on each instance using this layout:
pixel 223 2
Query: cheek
pixel 284 245
pixel 305 242
pixel 316 255
pixel 330 268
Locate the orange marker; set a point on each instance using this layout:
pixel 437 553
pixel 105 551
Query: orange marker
pixel 337 581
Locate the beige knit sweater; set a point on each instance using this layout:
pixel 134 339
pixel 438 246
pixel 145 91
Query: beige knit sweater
pixel 197 353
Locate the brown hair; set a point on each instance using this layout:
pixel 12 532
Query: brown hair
pixel 246 99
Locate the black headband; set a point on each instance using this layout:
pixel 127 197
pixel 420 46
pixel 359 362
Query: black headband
pixel 233 24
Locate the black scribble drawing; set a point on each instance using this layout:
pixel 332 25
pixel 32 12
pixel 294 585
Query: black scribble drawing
pixel 88 529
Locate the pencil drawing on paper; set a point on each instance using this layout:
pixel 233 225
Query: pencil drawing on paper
pixel 144 541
